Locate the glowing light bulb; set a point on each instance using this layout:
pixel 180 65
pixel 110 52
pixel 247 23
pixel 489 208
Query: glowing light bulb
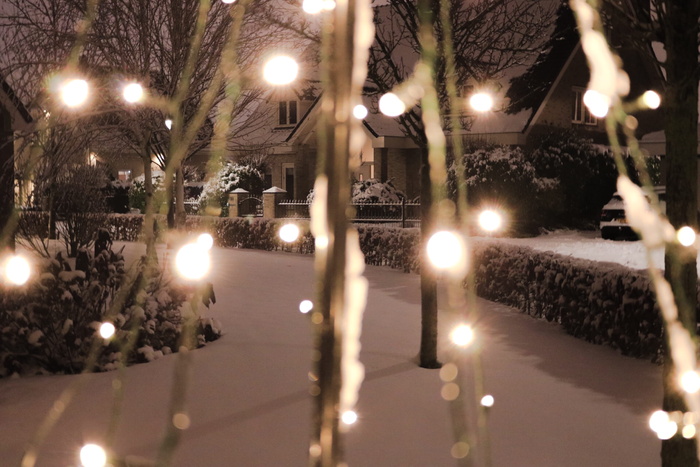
pixel 490 221
pixel 280 70
pixel 481 102
pixel 305 306
pixel 312 7
pixel 462 335
pixel 690 382
pixel 168 124
pixel 289 233
pixel 657 420
pixel 206 241
pixel 349 417
pixel 92 455
pixel 359 112
pixel 391 105
pixel 651 99
pixel 446 250
pixel 487 400
pixel 75 92
pixel 689 431
pixel 107 330
pixel 17 270
pixel 132 93
pixel 597 103
pixel 686 236
pixel 192 261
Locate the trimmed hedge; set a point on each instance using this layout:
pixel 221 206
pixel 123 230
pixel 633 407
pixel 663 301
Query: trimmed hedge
pixel 603 303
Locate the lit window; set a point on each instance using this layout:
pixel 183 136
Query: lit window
pixel 124 175
pixel 580 113
pixel 288 113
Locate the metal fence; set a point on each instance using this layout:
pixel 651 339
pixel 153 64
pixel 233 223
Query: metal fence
pixel 402 214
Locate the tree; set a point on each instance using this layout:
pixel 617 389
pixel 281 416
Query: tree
pixel 475 43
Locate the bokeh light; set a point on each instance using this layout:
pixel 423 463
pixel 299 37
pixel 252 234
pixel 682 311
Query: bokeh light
pixel 133 92
pixel 690 382
pixel 651 99
pixel 658 419
pixel 92 455
pixel 192 261
pixel 289 233
pixel 312 7
pixel 206 241
pixel 686 236
pixel 359 112
pixel 17 270
pixel 446 250
pixel 74 92
pixel 168 124
pixel 349 417
pixel 462 335
pixel 228 1
pixel 597 103
pixel 305 306
pixel 481 102
pixel 391 105
pixel 280 70
pixel 107 330
pixel 487 400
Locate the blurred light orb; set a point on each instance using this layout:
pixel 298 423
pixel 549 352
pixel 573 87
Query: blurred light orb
pixel 312 7
pixel 280 70
pixel 228 1
pixel 487 400
pixel 289 233
pixel 651 99
pixel 690 382
pixel 349 417
pixel 490 220
pixel 328 5
pixel 17 270
pixel 74 92
pixel 206 241
pixel 107 330
pixel 668 430
pixel 391 105
pixel 168 124
pixel 597 103
pixel 192 261
pixel 305 306
pixel 446 250
pixel 689 431
pixel 657 420
pixel 321 242
pixel 359 112
pixel 92 455
pixel 133 93
pixel 686 236
pixel 462 335
pixel 481 102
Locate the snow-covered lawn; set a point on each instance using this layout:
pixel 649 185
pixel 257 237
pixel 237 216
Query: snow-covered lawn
pixel 559 401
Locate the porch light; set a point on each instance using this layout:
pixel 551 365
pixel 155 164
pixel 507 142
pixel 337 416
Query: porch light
pixel 280 70
pixel 74 92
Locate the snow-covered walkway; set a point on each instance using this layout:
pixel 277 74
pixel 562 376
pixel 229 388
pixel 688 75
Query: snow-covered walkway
pixel 559 401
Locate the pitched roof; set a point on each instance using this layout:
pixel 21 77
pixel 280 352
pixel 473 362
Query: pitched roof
pixel 9 100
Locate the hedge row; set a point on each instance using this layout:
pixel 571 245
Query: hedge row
pixel 603 303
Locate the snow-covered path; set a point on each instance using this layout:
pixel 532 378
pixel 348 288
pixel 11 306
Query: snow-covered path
pixel 559 401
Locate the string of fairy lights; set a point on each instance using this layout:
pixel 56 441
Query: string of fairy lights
pixel 447 250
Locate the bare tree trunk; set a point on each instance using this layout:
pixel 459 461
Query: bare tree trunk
pixel 149 208
pixel 681 101
pixel 180 214
pixel 7 183
pixel 428 282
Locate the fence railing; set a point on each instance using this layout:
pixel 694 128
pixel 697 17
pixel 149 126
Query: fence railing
pixel 404 214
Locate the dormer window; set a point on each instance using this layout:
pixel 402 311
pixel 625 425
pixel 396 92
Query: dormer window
pixel 288 113
pixel 580 113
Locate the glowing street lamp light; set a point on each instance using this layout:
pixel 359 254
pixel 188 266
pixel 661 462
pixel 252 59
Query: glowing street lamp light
pixel 74 92
pixel 490 221
pixel 280 70
pixel 481 102
pixel 446 250
pixel 289 233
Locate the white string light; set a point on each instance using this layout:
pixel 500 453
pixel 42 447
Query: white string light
pixel 289 233
pixel 92 455
pixel 17 270
pixel 280 70
pixel 74 92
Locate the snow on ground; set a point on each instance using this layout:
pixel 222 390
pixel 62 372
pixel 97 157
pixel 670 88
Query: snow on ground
pixel 559 401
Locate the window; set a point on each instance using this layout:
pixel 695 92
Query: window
pixel 288 179
pixel 580 113
pixel 288 113
pixel 124 175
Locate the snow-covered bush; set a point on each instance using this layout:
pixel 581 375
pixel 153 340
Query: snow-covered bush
pixel 374 191
pixel 51 323
pixel 214 197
